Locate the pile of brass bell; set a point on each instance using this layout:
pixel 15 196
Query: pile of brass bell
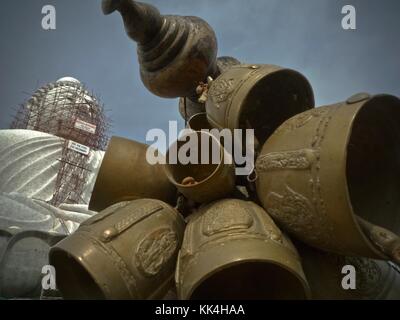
pixel 329 177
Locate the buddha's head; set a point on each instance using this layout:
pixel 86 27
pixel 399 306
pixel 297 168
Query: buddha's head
pixel 66 109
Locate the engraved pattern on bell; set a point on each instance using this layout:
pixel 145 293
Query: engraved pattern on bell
pixel 300 120
pixel 225 217
pixel 327 176
pixel 298 159
pixel 296 212
pixel 221 90
pixel 156 250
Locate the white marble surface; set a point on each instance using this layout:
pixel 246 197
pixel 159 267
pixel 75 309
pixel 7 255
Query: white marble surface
pixel 29 164
pixel 28 170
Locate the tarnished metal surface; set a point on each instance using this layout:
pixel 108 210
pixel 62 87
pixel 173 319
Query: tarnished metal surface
pixel 323 168
pixel 374 279
pixel 202 182
pixel 125 174
pixel 22 261
pixel 127 251
pixel 233 250
pixel 329 176
pixel 259 97
pixel 188 107
pixel 175 52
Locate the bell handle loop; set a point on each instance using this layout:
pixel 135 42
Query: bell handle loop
pixel 385 240
pixel 253 176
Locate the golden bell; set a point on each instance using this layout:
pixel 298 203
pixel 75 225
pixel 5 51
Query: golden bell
pixel 128 251
pixel 199 180
pixel 259 97
pixel 233 250
pixel 337 277
pixel 328 173
pixel 125 174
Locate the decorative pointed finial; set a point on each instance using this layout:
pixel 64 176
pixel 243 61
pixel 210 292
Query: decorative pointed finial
pixel 175 53
pixel 109 6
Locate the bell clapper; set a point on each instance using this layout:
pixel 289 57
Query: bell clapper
pixel 252 177
pixel 387 241
pixel 189 181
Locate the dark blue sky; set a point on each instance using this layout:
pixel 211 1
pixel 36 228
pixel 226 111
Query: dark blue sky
pixel 302 34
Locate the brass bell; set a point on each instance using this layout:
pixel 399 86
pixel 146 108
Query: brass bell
pixel 329 276
pixel 125 174
pixel 233 250
pixel 175 52
pixel 209 173
pixel 259 97
pixel 127 251
pixel 331 177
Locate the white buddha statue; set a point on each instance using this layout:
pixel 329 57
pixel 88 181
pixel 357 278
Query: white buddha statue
pixel 29 165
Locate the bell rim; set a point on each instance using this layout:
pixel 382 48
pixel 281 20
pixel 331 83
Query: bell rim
pixel 362 246
pixel 112 174
pixel 260 243
pixel 262 72
pixel 202 182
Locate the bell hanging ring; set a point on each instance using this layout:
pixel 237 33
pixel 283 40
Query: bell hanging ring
pixel 259 97
pixel 331 177
pixel 233 250
pixel 207 174
pixel 188 107
pixel 199 122
pixel 125 174
pixel 127 251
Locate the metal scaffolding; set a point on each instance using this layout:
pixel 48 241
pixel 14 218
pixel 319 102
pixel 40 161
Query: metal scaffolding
pixel 67 110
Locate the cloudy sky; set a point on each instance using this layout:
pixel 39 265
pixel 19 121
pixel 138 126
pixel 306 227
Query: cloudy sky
pixel 302 34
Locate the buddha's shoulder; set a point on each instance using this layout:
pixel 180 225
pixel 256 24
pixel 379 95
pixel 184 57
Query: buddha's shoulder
pixel 12 137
